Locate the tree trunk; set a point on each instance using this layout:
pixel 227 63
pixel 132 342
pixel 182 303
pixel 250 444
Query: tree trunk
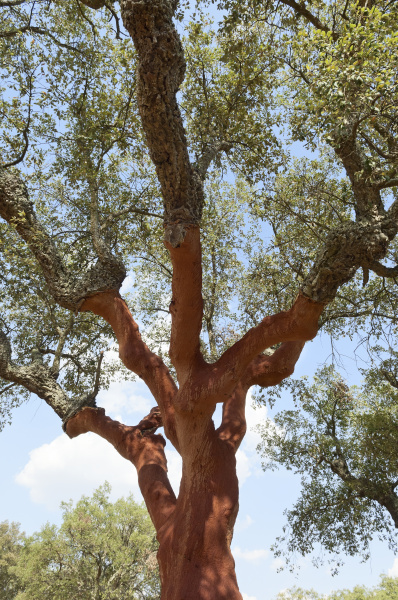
pixel 194 555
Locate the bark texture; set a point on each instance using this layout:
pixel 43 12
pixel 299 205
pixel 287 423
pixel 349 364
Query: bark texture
pixel 68 288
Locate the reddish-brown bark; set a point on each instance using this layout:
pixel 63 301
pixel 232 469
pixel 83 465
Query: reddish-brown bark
pixel 195 529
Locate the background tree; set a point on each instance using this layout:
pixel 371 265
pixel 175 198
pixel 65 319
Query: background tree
pixel 101 163
pixel 11 540
pixel 101 550
pixel 386 589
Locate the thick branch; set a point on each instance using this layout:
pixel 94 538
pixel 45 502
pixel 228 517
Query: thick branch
pixel 345 250
pixel 389 183
pixel 367 196
pixel 136 355
pixel 161 69
pixel 96 4
pixel 68 288
pixel 382 270
pixel 11 3
pixel 268 370
pixel 233 424
pixel 186 306
pixel 39 379
pixel 141 446
pixel 366 488
pixel 298 324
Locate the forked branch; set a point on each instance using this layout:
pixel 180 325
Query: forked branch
pixel 141 446
pixel 136 355
pixel 299 324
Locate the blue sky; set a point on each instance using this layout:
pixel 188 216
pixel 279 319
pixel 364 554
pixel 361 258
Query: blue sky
pixel 41 467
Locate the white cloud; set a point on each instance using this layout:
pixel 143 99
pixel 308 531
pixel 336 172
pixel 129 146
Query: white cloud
pixel 120 398
pixel 243 523
pixel 247 597
pixel 249 555
pixel 393 572
pixel 67 468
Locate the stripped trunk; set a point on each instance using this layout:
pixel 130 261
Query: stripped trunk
pixel 194 530
pixel 194 555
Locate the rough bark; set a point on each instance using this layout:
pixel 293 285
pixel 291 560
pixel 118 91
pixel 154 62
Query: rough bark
pixel 40 380
pixel 160 72
pixel 68 288
pixel 352 246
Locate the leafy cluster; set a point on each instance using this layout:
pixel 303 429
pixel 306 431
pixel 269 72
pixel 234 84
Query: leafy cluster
pixel 102 549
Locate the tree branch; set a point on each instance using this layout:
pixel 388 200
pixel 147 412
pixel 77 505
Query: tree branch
pixel 38 379
pixel 344 251
pixel 186 306
pixel 141 446
pixel 160 72
pixel 269 370
pixel 96 4
pixel 301 10
pixel 63 334
pixel 11 3
pixel 382 270
pixel 40 31
pixel 298 324
pixel 203 163
pixel 393 182
pixel 25 132
pixel 136 355
pixel 233 424
pixel 68 288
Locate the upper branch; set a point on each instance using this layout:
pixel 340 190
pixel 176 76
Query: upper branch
pixel 186 307
pixel 212 151
pixel 141 446
pixel 68 288
pixel 347 248
pixel 161 70
pixel 299 9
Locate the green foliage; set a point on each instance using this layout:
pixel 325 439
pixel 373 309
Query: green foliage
pixel 343 444
pixel 386 590
pixel 102 549
pixel 11 540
